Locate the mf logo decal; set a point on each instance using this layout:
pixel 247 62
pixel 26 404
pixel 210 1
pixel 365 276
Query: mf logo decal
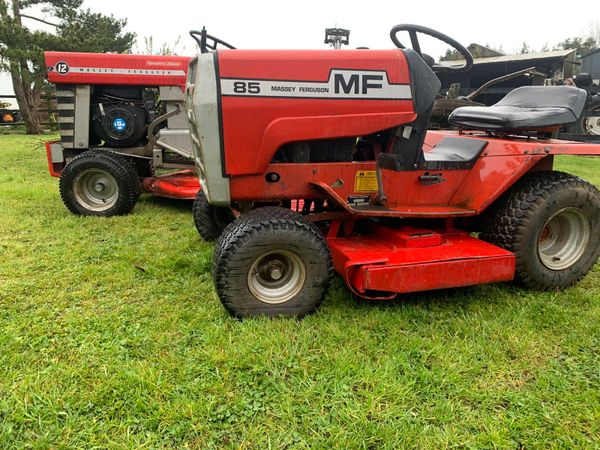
pixel 342 84
pixel 61 67
pixel 356 82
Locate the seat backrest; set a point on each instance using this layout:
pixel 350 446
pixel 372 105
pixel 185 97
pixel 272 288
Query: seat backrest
pixel 425 84
pixel 538 109
pixel 568 97
pixel 407 148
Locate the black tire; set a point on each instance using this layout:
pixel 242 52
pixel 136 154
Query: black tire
pixel 114 174
pixel 551 221
pixel 264 243
pixel 589 122
pixel 210 220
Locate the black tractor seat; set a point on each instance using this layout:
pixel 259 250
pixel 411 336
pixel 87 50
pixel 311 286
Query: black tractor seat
pixel 529 108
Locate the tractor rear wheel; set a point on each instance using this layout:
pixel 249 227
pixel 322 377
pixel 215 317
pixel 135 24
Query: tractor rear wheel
pixel 210 220
pixel 551 221
pixel 99 183
pixel 589 122
pixel 271 262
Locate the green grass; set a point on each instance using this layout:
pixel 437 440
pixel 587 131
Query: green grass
pixel 111 335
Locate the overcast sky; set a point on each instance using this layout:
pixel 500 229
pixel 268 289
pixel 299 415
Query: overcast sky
pixel 287 24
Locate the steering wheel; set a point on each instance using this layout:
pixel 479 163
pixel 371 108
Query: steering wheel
pixel 203 38
pixel 414 39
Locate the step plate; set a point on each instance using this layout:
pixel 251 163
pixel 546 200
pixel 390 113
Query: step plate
pixel 374 263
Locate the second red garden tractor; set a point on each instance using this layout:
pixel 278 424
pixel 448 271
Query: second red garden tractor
pixel 326 159
pixel 123 128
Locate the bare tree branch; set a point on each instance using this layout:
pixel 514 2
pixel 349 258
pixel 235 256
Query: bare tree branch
pixel 594 31
pixel 39 20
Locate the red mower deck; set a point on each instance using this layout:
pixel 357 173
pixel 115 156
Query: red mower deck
pixel 182 185
pixel 406 259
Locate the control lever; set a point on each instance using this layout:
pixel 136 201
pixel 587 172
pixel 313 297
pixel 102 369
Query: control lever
pixel 381 198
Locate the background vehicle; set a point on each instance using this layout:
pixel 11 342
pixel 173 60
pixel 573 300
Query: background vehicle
pixel 335 170
pixel 121 119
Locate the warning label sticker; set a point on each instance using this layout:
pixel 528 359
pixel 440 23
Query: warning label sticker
pixel 365 181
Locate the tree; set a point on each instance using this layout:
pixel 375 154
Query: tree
pixel 594 32
pixel 525 48
pixel 450 55
pixel 476 50
pixel 581 44
pixel 165 49
pixel 21 49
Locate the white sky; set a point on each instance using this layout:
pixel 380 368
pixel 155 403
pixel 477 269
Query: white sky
pixel 301 24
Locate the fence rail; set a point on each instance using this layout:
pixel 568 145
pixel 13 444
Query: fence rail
pixel 46 109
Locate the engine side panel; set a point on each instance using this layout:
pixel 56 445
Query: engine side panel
pixel 272 97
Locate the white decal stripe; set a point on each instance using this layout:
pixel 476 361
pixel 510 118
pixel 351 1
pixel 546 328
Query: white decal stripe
pixel 114 71
pixel 342 84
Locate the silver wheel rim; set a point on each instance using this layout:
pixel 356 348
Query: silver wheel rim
pixel 276 276
pixel 564 238
pixel 592 125
pixel 96 189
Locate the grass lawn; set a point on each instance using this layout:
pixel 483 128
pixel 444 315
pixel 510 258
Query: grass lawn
pixel 111 335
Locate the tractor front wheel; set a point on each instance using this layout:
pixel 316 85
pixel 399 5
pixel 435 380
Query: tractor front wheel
pixel 210 220
pixel 551 221
pixel 99 183
pixel 271 262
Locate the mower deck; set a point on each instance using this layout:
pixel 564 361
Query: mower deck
pixel 181 185
pixel 389 260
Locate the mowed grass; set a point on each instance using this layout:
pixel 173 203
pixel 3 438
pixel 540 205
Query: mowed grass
pixel 111 336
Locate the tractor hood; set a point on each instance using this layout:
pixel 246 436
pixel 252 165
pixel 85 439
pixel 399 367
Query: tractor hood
pixel 245 104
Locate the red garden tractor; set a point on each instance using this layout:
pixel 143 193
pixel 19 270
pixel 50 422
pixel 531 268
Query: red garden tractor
pixel 121 120
pixel 326 159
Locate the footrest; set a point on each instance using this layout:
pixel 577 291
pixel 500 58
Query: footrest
pixel 400 211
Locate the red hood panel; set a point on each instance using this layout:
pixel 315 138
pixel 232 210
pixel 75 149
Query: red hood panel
pixel 106 68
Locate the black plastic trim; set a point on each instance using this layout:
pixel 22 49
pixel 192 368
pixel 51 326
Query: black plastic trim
pixel 453 153
pixel 425 85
